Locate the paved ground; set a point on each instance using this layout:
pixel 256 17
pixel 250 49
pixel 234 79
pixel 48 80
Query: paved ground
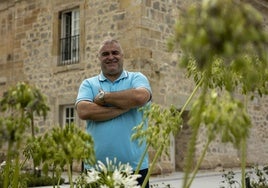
pixel 208 179
pixel 175 180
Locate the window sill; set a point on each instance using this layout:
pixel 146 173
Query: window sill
pixel 66 68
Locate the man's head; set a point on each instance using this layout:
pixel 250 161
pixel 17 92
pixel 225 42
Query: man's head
pixel 111 58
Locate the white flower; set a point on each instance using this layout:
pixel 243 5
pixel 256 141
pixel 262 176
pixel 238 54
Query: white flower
pixel 3 164
pixel 118 178
pixel 101 167
pixel 125 178
pixel 92 176
pixel 131 181
pixel 112 174
pixel 104 186
pixel 128 169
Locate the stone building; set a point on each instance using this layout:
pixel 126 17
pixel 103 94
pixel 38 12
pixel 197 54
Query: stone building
pixel 52 44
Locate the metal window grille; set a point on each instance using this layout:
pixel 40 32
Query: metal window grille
pixel 69 53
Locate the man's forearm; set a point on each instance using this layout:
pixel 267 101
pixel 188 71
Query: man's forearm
pixel 90 111
pixel 128 98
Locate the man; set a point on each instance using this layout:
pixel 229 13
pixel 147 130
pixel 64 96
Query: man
pixel 110 103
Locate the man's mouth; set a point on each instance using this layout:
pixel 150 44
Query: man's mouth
pixel 111 62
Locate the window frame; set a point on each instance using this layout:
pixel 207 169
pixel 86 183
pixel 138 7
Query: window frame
pixel 69 44
pixel 67 119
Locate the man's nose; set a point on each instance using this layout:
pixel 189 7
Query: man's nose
pixel 110 56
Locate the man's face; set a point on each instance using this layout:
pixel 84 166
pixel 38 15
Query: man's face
pixel 111 58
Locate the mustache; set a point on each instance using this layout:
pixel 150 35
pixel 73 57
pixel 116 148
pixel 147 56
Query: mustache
pixel 111 61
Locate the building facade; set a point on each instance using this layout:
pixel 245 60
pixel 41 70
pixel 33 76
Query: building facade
pixel 52 44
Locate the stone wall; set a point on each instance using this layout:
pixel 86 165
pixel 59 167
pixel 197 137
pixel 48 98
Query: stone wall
pixel 29 52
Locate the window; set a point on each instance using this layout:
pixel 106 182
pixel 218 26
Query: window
pixel 68 115
pixel 69 41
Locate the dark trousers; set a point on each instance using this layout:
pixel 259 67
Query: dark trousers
pixel 141 179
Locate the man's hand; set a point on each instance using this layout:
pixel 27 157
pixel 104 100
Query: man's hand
pixel 100 98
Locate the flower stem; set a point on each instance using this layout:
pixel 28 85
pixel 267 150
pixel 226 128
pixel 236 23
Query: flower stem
pixel 199 163
pixel 70 175
pixel 244 154
pixel 191 96
pixel 142 158
pixel 192 143
pixel 159 152
pixel 8 164
pixel 243 162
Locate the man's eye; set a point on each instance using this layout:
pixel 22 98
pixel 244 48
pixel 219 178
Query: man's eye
pixel 104 54
pixel 115 52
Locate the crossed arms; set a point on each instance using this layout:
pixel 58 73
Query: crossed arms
pixel 121 102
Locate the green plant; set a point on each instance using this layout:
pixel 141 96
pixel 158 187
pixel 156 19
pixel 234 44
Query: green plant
pixel 60 147
pixel 18 106
pixel 163 122
pixel 26 99
pixel 21 183
pixel 31 180
pixel 56 149
pixel 224 49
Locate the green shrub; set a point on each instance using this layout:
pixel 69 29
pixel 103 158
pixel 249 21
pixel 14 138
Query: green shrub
pixel 34 181
pixel 31 180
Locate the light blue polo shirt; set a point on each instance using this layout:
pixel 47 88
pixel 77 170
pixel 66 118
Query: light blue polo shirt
pixel 112 138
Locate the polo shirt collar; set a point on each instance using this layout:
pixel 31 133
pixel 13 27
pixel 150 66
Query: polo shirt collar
pixel 124 74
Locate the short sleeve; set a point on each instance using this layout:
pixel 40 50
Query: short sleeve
pixel 85 92
pixel 140 81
